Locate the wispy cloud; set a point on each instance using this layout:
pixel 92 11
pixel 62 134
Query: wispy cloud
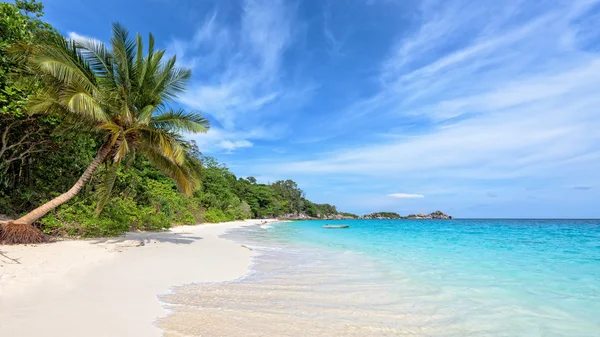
pixel 499 91
pixel 233 145
pixel 334 43
pixel 459 100
pixel 519 107
pixel 406 196
pixel 238 68
pixel 223 140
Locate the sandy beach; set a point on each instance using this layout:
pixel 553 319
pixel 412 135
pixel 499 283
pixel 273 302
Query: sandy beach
pixel 109 287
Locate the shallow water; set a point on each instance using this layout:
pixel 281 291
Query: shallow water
pixel 404 278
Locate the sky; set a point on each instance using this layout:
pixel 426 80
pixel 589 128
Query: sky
pixel 476 108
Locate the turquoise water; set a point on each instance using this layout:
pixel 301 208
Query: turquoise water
pixel 536 277
pixel 447 278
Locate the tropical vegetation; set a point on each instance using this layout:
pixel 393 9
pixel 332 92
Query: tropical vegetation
pixel 92 144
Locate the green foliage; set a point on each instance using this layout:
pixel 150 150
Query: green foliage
pixel 77 219
pixel 216 215
pixel 121 94
pixel 119 97
pixel 144 200
pixel 349 215
pixel 13 28
pixel 28 173
pixel 222 195
pixel 30 7
pixel 17 26
pixel 319 210
pixel 290 194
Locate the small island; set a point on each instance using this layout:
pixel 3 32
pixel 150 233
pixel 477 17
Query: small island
pixel 393 215
pixel 437 215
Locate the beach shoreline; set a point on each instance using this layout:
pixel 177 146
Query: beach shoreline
pixel 110 286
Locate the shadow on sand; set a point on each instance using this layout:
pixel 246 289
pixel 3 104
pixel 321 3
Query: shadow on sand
pixel 143 238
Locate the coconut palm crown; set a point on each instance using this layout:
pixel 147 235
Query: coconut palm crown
pixel 121 93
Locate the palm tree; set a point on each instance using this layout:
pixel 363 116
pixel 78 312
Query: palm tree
pixel 122 95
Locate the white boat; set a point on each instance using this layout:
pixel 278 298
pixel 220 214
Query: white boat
pixel 336 226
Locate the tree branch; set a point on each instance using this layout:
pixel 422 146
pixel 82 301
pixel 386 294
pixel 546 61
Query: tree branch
pixel 21 156
pixel 5 136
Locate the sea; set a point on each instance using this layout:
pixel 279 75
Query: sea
pixel 403 278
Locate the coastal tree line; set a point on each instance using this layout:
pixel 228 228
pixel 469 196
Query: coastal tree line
pixel 91 144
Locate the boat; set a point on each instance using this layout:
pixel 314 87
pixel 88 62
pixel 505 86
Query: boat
pixel 336 226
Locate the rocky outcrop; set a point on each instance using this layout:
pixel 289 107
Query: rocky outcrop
pixel 377 216
pixel 434 215
pixel 382 216
pixel 304 216
pixel 392 216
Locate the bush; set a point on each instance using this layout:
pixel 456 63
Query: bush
pixel 77 219
pixel 165 199
pixel 119 216
pixel 216 215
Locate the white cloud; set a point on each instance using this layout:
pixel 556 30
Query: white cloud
pixel 238 70
pixel 495 98
pixel 233 145
pixel 219 140
pixel 523 141
pixel 465 48
pixel 78 37
pixel 406 195
pixel 501 96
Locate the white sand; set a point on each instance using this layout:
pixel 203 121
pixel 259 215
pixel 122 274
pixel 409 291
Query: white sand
pixel 109 287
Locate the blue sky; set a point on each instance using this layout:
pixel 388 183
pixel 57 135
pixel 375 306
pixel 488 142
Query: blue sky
pixel 477 108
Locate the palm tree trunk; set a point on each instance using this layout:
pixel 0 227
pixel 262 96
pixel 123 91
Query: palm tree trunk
pixel 39 212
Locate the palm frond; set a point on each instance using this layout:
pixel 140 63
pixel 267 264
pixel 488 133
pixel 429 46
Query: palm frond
pixel 98 56
pixel 122 150
pixel 179 120
pixel 130 159
pixel 61 59
pixel 82 103
pixel 76 125
pixel 139 57
pixel 125 112
pixel 70 81
pixel 143 61
pixel 166 143
pixel 123 49
pixel 145 114
pixel 153 65
pixel 105 187
pixel 171 80
pixel 185 176
pixel 121 92
pixel 114 132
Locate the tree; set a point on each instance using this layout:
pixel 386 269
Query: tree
pixel 291 194
pixel 25 138
pixel 30 7
pixel 121 96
